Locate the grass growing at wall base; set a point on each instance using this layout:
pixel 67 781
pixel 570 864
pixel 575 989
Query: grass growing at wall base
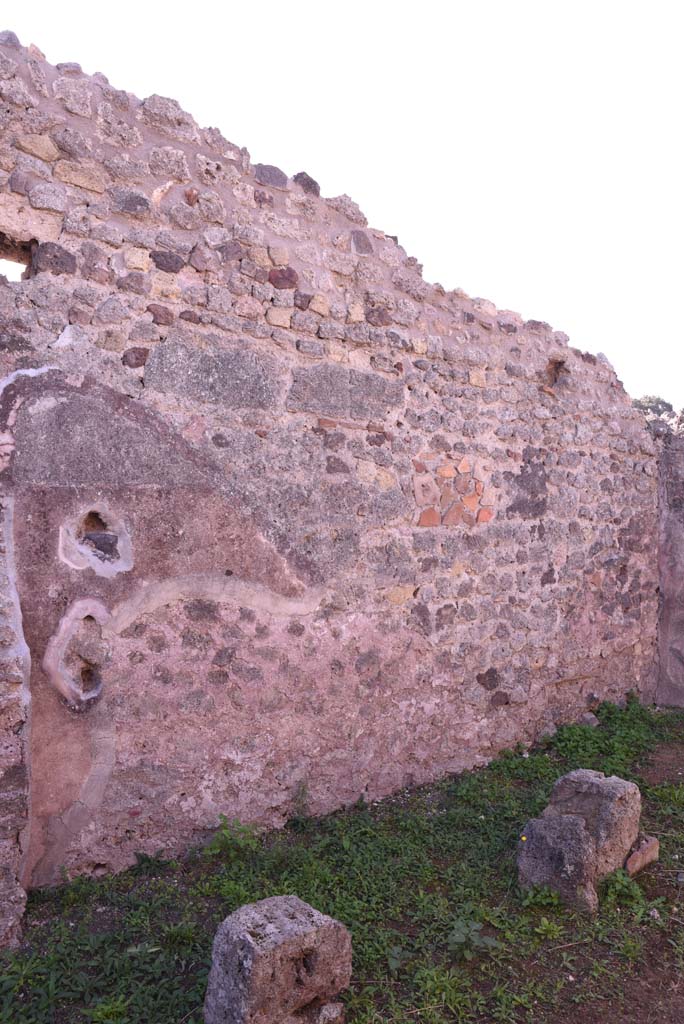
pixel 425 881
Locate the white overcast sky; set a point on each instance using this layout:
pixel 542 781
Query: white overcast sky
pixel 527 151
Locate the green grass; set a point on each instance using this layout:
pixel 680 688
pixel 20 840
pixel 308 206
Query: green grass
pixel 426 883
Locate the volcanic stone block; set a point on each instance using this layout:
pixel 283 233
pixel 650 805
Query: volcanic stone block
pixel 237 379
pixel 585 833
pixel 322 389
pixel 277 961
pixel 372 396
pixel 53 258
pixel 267 174
pixel 610 809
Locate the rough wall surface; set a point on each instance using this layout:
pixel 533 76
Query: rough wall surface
pixel 671 624
pixel 291 525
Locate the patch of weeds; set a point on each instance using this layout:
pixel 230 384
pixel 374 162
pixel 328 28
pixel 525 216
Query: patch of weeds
pixel 146 864
pixel 109 1011
pixel 448 988
pixel 466 939
pixel 625 735
pixel 540 896
pixel 232 840
pixel 619 890
pixel 631 947
pixel 668 799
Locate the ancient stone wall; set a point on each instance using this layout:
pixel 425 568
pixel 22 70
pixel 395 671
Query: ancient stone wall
pixel 671 623
pixel 291 526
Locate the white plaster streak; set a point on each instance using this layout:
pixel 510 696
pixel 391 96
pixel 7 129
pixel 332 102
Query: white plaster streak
pixel 214 588
pixel 33 372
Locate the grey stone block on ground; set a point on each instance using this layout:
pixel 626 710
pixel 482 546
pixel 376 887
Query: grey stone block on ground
pixel 610 808
pixel 276 962
pixel 586 832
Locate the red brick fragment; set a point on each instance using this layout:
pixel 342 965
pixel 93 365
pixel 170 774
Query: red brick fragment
pixel 454 516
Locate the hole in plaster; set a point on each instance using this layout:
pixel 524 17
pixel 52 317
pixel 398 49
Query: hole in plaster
pixel 93 521
pixel 95 533
pixel 97 540
pixel 91 679
pixel 77 654
pixel 15 258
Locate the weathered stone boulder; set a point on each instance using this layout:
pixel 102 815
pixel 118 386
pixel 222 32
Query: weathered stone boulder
pixel 610 808
pixel 276 962
pixel 587 831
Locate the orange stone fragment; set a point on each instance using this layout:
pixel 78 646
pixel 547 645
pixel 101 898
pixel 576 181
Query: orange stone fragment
pixel 448 497
pixel 429 517
pixel 464 465
pixel 446 472
pixel 645 851
pixel 471 501
pixel 485 515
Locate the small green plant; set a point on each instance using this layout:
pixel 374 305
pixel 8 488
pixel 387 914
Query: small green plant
pixel 397 957
pixel 181 938
pixel 631 947
pixel 466 939
pixel 669 798
pixel 540 897
pixel 619 890
pixel 109 1011
pixel 445 987
pixel 547 929
pixel 232 841
pixel 149 865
